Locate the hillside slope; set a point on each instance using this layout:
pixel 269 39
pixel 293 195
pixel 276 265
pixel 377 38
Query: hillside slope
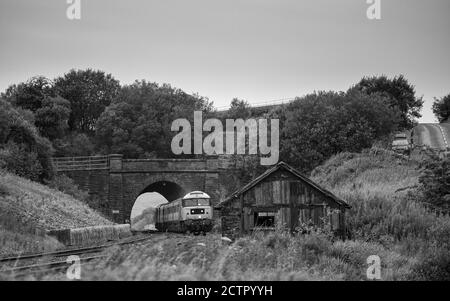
pixel 373 170
pixel 28 209
pixel 383 191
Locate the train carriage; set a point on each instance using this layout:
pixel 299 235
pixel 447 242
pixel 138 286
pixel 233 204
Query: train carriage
pixel 191 213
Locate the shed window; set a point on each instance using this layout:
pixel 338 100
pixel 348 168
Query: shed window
pixel 264 219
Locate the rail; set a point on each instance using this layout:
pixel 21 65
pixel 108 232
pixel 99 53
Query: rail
pixel 24 270
pixel 81 163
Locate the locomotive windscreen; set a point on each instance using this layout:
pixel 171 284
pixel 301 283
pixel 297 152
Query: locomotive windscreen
pixel 195 202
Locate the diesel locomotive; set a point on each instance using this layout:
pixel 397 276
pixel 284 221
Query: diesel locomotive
pixel 192 213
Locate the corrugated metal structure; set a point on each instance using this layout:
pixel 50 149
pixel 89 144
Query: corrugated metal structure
pixel 281 196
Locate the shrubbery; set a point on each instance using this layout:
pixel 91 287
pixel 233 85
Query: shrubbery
pixel 441 108
pixel 320 125
pixel 74 145
pixel 17 159
pixel 388 211
pixel 435 184
pixel 22 150
pixel 65 184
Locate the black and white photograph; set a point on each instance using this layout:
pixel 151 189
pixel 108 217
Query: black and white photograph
pixel 224 147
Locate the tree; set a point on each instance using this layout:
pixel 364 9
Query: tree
pixel 89 93
pixel 74 145
pixel 38 103
pixel 51 119
pixel 401 93
pixel 138 122
pixel 22 149
pixel 30 95
pixel 441 108
pixel 322 124
pixel 239 109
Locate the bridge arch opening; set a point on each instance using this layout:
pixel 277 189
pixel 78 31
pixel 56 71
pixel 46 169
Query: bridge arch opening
pixel 169 190
pixel 144 208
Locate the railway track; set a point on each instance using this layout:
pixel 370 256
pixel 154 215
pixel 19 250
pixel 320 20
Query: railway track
pixel 23 270
pixel 76 251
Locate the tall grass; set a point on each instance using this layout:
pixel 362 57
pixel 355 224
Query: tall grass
pixel 17 243
pixel 387 209
pixel 28 209
pixel 27 204
pixel 273 256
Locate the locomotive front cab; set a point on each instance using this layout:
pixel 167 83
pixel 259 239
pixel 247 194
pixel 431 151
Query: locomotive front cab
pixel 197 212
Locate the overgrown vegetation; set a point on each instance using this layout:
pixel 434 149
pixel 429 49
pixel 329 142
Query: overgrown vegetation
pixel 274 256
pixel 29 209
pixel 87 112
pixel 436 183
pixel 441 108
pixel 320 125
pixel 18 243
pixel 22 149
pixel 138 122
pixel 400 94
pixel 387 208
pixel 67 185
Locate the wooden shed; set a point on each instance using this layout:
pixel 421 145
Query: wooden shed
pixel 281 196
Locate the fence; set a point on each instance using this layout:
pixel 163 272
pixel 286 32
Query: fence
pixel 81 163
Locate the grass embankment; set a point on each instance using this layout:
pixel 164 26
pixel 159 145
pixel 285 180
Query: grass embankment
pixel 28 209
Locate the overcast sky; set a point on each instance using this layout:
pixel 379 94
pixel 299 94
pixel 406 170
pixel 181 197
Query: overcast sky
pixel 258 50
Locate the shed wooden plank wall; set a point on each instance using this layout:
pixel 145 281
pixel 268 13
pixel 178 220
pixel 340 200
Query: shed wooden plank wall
pixel 292 199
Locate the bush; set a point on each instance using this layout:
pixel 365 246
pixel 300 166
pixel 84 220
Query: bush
pixel 433 265
pixel 441 108
pixel 440 232
pixel 74 145
pixel 435 183
pixel 331 123
pixel 15 158
pixel 65 184
pixel 23 150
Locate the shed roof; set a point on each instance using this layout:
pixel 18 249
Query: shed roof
pixel 282 165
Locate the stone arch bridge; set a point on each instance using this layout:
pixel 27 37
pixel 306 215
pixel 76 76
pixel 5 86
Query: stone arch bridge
pixel 114 183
